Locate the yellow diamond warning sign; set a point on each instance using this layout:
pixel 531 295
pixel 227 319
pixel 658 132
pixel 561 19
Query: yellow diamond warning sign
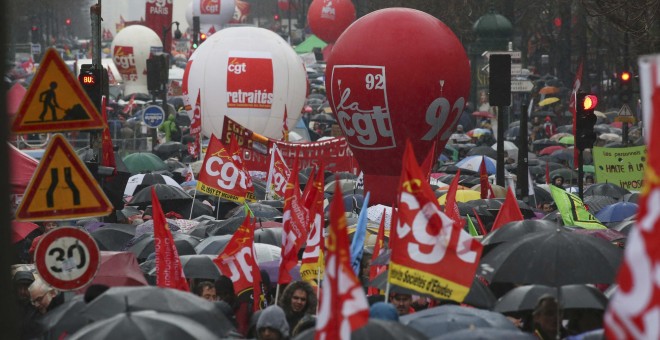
pixel 55 101
pixel 62 188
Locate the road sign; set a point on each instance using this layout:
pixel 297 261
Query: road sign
pixel 62 188
pixel 516 68
pixel 67 258
pixel 513 54
pixel 35 48
pixel 55 101
pixel 625 115
pixel 154 116
pixel 521 86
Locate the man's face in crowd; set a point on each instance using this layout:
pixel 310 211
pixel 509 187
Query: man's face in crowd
pixel 41 299
pixel 299 300
pixel 209 294
pixel 402 303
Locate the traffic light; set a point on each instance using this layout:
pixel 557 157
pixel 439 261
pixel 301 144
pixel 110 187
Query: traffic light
pixel 195 35
pixel 202 38
pixel 585 119
pixel 157 72
pixel 625 87
pixel 67 22
pixel 276 17
pixel 95 82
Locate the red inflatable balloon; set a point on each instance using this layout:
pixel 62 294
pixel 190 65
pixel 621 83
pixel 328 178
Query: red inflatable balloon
pixel 329 18
pixel 409 84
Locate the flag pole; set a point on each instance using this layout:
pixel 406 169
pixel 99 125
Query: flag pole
pixel 217 209
pixel 387 291
pixel 277 293
pixel 193 204
pixel 318 287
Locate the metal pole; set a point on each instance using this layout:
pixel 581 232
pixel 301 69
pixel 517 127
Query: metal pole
pixel 580 174
pixel 624 134
pixel 501 126
pixel 522 154
pixel 154 131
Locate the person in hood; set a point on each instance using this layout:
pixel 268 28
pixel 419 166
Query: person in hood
pixel 298 300
pixel 272 324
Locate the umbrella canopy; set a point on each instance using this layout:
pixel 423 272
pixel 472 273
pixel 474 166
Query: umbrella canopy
pixel 165 193
pixel 566 173
pixel 141 181
pixel 145 325
pixel 478 132
pixel 145 245
pixel 258 209
pixel 567 140
pixel 64 320
pixel 617 212
pixel 551 149
pixel 213 245
pixel 549 90
pixel 548 101
pixel 143 162
pixel 610 137
pixel 165 300
pixel 609 235
pixel 499 191
pixel 174 164
pixel 632 197
pixel 486 334
pixel 459 138
pixel 515 230
pixel 323 118
pixel 113 236
pixel 169 149
pixel 461 196
pixel 525 298
pixel 272 268
pixel 606 189
pixel 473 163
pixel 598 202
pixel 554 259
pixel 271 236
pixel 376 329
pixel 540 144
pixel 447 318
pixel 482 151
pixel 483 114
pixel 624 227
pixel 118 269
pixel 560 135
pixel 20 230
pixel 197 267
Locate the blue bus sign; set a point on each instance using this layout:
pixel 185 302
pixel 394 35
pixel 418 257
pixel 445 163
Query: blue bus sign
pixel 153 116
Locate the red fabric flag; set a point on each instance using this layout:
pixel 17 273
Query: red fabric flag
pixel 107 149
pixel 509 211
pixel 221 176
pixel 547 173
pixel 577 83
pixel 429 246
pixel 196 122
pixel 427 165
pixel 128 109
pixel 481 224
pixel 294 231
pixel 343 307
pixel 451 208
pixel 380 240
pixel 238 260
pixel 634 311
pixel 312 266
pixel 235 152
pixel 486 188
pixel 285 126
pixel 169 272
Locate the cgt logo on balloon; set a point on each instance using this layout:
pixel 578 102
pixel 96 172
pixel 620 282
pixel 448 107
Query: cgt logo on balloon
pixel 124 59
pixel 249 80
pixel 366 123
pixel 209 6
pixel 160 7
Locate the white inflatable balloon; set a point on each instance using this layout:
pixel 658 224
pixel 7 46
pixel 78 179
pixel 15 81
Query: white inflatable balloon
pixel 131 48
pixel 249 74
pixel 189 14
pixel 213 13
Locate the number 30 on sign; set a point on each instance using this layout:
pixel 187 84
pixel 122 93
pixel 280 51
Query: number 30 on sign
pixel 67 258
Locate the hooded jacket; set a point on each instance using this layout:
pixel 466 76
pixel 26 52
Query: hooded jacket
pixel 273 317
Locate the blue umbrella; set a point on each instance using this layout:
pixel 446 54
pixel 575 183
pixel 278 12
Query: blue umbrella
pixel 617 212
pixel 473 163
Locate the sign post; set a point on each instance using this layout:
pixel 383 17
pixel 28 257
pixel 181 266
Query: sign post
pixel 153 117
pixel 67 258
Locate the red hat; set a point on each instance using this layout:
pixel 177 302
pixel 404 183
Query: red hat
pixel 547 118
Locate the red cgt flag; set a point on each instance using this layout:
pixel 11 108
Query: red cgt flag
pixel 634 311
pixel 509 211
pixel 440 256
pixel 343 307
pixel 312 266
pixel 285 126
pixel 294 230
pixel 380 244
pixel 278 173
pixel 486 188
pixel 196 122
pixel 451 208
pixel 169 272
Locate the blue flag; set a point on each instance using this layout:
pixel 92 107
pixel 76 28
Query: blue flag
pixel 357 246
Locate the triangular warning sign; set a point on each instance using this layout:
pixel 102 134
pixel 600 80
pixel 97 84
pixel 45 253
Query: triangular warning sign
pixel 62 188
pixel 56 101
pixel 625 111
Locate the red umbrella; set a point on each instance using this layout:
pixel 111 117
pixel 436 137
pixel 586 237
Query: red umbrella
pixel 20 230
pixel 484 114
pixel 550 149
pixel 118 268
pixel 618 125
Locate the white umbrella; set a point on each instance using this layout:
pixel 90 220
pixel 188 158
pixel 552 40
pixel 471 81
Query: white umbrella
pixel 610 137
pixel 374 213
pixel 267 252
pixel 137 180
pixel 510 147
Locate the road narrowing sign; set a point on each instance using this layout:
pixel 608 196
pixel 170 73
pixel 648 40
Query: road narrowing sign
pixel 62 188
pixel 56 101
pixel 67 258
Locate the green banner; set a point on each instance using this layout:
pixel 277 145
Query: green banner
pixel 621 166
pixel 573 211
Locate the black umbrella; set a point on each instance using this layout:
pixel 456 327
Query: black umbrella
pixel 632 197
pixel 624 226
pixel 606 189
pixel 452 169
pixel 65 319
pixel 568 174
pixel 446 318
pixel 376 329
pixel 213 245
pixel 169 149
pixel 525 298
pixel 197 267
pixel 553 259
pixel 145 325
pixel 165 300
pixel 555 217
pixel 541 144
pixel 486 334
pixel 141 181
pixel 494 204
pixel 198 209
pixel 323 118
pixel 144 245
pixel 514 230
pixel 269 236
pixel 258 209
pixel 340 175
pixel 113 237
pixel 167 194
pixel 598 202
pixel 174 164
pixel 483 151
pixel 542 196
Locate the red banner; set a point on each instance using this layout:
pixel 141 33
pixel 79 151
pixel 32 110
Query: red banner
pixel 312 267
pixel 433 255
pixel 295 224
pixel 158 18
pixel 169 272
pixel 196 122
pixel 124 59
pixel 277 175
pixel 220 176
pixel 334 153
pixel 249 81
pixel 238 261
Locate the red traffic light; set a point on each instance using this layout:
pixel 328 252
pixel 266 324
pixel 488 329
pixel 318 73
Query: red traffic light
pixel 202 37
pixel 34 28
pixel 67 21
pixel 276 17
pixel 625 76
pixel 590 101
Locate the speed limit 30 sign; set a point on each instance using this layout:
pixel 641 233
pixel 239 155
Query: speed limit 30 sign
pixel 67 258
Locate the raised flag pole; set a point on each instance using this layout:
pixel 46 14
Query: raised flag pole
pixel 318 287
pixel 277 294
pixel 193 204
